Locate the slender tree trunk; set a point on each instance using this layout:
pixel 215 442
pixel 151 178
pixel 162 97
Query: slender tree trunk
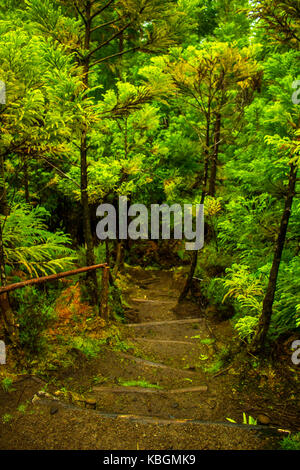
pixel 265 318
pixel 87 231
pixel 119 258
pixel 9 321
pixel 26 181
pixel 3 194
pixel 189 280
pixel 194 258
pixel 107 259
pixel 107 253
pixel 7 315
pixel 193 266
pixel 214 162
pixel 126 138
pixel 206 158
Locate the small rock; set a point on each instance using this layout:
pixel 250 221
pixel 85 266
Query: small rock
pixel 53 410
pixel 263 419
pixel 35 399
pixel 212 404
pixel 175 405
pixel 90 403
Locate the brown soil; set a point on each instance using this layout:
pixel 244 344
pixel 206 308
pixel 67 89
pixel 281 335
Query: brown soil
pixel 159 393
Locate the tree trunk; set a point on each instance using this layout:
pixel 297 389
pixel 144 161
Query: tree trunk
pixel 3 200
pixel 119 258
pixel 194 260
pixel 206 158
pixel 7 315
pixel 214 163
pixel 258 342
pixel 92 282
pixel 104 310
pixel 88 237
pixel 188 282
pixel 26 181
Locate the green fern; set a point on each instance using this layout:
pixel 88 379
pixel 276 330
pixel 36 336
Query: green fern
pixel 30 247
pixel 246 327
pixel 244 287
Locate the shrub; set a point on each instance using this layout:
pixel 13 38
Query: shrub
pixel 291 442
pixel 246 327
pixel 35 313
pixel 88 346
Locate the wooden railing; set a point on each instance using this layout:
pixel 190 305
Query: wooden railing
pixel 104 312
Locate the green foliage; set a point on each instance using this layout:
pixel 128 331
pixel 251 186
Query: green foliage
pixel 291 442
pixel 6 384
pixel 119 344
pixel 286 316
pixel 215 291
pixel 6 418
pixel 22 408
pixel 244 287
pixel 29 246
pixel 35 313
pixel 219 362
pixel 215 367
pixel 99 253
pixel 88 346
pixel 246 420
pixel 116 302
pixel 246 327
pixel 138 383
pixel 280 18
pixel 146 126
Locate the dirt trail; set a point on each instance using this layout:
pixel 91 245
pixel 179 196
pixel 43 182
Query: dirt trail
pixel 156 395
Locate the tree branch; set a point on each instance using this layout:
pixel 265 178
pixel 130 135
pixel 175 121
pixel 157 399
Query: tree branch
pixel 105 43
pixel 80 14
pixel 101 9
pixel 118 54
pixel 108 23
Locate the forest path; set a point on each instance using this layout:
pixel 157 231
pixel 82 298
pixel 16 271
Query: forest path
pixel 155 395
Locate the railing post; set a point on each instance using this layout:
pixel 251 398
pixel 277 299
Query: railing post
pixel 104 310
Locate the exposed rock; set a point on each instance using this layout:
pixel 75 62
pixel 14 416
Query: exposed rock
pixel 90 403
pixel 53 410
pixel 263 419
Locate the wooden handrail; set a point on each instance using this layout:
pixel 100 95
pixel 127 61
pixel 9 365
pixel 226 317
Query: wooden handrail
pixel 52 277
